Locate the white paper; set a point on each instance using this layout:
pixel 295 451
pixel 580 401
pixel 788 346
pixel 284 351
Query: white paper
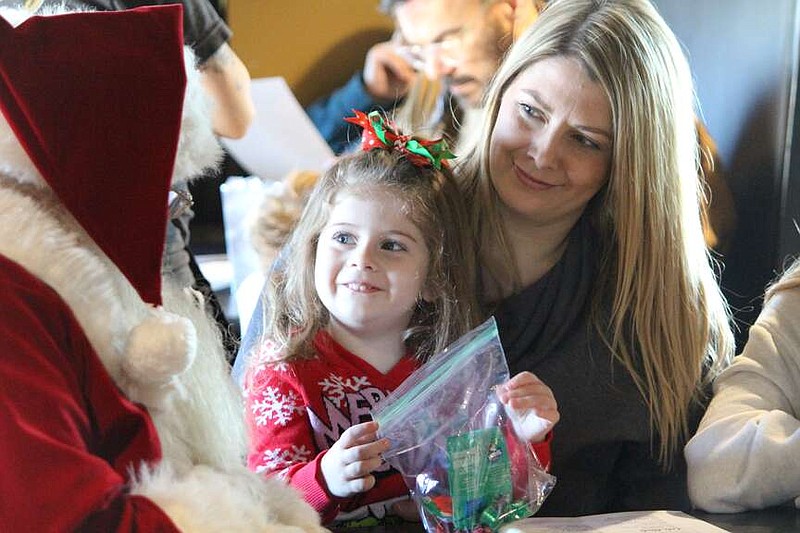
pixel 217 269
pixel 629 522
pixel 281 138
pixel 241 197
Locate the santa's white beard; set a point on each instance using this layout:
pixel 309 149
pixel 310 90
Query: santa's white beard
pixel 202 483
pixel 204 423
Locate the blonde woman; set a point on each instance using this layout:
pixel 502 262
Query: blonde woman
pixel 585 204
pixel 745 454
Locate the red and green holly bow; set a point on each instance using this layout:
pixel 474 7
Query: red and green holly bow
pixel 383 134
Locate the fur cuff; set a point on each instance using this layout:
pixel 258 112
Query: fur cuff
pixel 207 500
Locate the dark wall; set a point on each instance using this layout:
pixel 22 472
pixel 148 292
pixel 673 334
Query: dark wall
pixel 744 56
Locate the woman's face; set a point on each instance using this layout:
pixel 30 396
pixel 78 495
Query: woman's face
pixel 552 143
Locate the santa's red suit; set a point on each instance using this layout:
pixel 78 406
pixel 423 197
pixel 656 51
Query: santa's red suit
pixel 117 409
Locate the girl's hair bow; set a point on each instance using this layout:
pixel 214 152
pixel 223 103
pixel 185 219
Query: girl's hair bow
pixel 383 134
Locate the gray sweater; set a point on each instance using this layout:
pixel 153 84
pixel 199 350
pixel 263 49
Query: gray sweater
pixel 602 453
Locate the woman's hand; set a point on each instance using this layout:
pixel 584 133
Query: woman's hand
pixel 530 405
pixel 347 465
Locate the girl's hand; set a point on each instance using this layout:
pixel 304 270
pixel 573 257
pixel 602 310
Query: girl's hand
pixel 347 465
pixel 530 405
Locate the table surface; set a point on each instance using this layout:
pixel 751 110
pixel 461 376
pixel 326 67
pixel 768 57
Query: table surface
pixel 774 520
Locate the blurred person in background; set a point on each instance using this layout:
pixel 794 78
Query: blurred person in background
pixel 432 76
pixel 433 72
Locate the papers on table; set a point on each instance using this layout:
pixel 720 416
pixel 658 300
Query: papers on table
pixel 630 522
pixel 282 138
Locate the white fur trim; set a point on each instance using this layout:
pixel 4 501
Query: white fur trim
pixel 202 426
pixel 198 148
pixel 201 482
pixel 14 161
pixel 39 235
pixel 206 424
pixel 207 500
pixel 158 349
pixel 14 16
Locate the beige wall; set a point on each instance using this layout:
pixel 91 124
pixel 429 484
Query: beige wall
pixel 315 44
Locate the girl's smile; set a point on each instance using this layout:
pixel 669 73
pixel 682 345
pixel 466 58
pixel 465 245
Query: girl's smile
pixel 361 287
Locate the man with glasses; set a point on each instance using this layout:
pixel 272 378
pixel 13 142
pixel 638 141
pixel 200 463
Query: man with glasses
pixel 435 67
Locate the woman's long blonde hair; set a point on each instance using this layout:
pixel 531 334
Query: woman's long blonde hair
pixel 666 305
pixel 432 201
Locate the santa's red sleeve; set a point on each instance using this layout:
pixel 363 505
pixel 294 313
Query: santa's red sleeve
pixel 67 436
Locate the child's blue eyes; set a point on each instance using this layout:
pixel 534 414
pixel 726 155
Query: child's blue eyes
pixel 393 246
pixel 344 238
pixel 528 110
pixel 349 239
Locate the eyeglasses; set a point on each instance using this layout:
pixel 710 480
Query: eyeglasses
pixel 180 201
pixel 446 49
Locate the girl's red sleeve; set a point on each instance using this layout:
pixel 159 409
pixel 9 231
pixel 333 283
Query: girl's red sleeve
pixel 281 437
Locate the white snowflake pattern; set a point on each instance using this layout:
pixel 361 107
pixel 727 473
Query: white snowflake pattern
pixel 281 458
pixel 272 405
pixel 334 386
pixel 279 366
pixel 267 353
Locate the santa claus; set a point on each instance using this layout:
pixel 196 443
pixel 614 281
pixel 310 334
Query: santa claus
pixel 117 409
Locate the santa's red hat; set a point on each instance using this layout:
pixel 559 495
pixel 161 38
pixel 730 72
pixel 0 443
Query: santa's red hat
pixel 95 99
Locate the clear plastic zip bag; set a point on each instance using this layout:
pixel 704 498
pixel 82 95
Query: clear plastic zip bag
pixel 454 443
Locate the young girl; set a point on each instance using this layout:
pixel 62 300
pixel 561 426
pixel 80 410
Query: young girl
pixel 377 277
